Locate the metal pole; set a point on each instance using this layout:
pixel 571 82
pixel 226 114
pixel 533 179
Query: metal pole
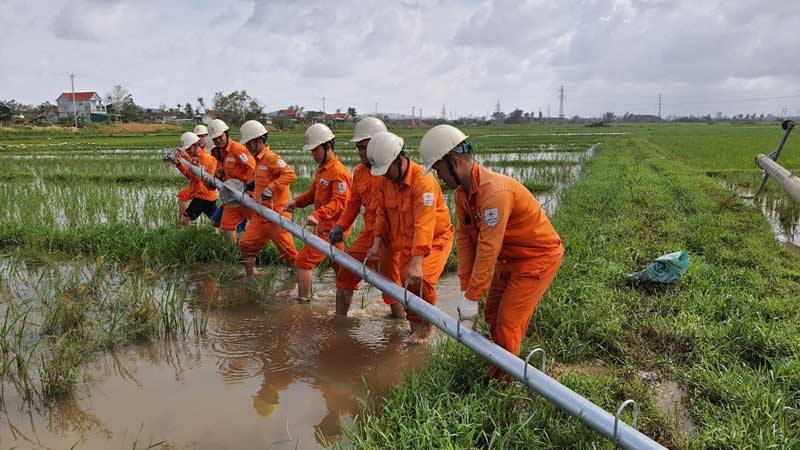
pixel 788 181
pixel 74 101
pixel 556 393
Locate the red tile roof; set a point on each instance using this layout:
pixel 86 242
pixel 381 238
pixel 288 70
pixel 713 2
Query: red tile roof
pixel 78 95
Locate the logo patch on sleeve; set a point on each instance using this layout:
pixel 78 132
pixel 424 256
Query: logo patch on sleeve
pixel 491 217
pixel 341 187
pixel 281 164
pixel 323 182
pixel 243 157
pixel 427 198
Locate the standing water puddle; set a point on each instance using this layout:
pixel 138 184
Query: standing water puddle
pixel 271 373
pixel 786 228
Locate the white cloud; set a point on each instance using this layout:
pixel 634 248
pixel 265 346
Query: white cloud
pixel 611 54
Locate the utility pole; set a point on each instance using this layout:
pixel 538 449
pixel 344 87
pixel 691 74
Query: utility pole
pixel 376 109
pixel 412 115
pixel 561 102
pixel 74 102
pixel 497 108
pixel 659 106
pixel 420 115
pixel 548 111
pixel 444 112
pixel 323 106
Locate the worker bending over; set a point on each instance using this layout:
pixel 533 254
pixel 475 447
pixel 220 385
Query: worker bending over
pixel 412 217
pixel 501 228
pixel 328 193
pixel 202 194
pixel 272 179
pixel 364 193
pixel 238 166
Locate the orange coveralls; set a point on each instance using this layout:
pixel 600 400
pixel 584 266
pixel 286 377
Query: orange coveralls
pixel 413 217
pixel 186 193
pixel 329 193
pixel 502 226
pixel 271 172
pixel 197 187
pixel 366 189
pixel 237 163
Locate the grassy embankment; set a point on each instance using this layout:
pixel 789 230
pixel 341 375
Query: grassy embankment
pixel 729 333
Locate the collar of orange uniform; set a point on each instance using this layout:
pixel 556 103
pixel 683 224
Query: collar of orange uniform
pixel 412 172
pixel 329 162
pixel 263 153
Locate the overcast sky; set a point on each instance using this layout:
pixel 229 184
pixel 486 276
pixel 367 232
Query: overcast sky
pixel 704 56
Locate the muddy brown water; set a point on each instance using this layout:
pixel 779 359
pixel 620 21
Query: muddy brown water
pixel 786 229
pixel 271 373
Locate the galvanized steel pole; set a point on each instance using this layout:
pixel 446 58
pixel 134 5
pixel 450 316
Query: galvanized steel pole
pixel 556 393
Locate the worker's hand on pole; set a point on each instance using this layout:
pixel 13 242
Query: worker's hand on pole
pixel 414 272
pixel 312 221
pixel 336 235
pixel 290 206
pixel 266 194
pixel 467 308
pixel 374 252
pixel 220 173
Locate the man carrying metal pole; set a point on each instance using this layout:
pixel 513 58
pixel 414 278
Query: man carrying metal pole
pixel 364 193
pixel 202 195
pixel 413 218
pixel 185 195
pixel 501 229
pixel 328 193
pixel 272 180
pixel 237 164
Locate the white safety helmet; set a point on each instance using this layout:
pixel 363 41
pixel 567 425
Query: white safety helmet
pixel 382 150
pixel 216 128
pixel 200 130
pixel 367 128
pixel 437 142
pixel 317 134
pixel 250 130
pixel 188 139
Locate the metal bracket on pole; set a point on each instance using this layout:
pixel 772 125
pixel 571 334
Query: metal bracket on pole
pixel 619 413
pixel 788 126
pixel 528 362
pixel 562 397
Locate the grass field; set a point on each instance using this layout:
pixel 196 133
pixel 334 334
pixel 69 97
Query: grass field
pixel 713 361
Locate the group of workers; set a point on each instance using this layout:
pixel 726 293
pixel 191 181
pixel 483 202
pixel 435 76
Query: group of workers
pixel 508 252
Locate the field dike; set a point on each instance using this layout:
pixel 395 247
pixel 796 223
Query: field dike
pixel 726 336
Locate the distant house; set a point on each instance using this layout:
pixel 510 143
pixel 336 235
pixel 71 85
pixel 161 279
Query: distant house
pixel 88 105
pixel 338 117
pixel 50 115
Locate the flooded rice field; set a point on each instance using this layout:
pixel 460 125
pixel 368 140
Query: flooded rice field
pixel 269 373
pixel 220 362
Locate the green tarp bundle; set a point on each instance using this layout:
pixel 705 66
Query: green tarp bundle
pixel 664 270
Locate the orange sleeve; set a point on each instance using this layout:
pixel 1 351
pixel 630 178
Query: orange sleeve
pixel 286 175
pixel 381 220
pixel 353 208
pixel 184 170
pixel 340 193
pixel 424 207
pixel 495 210
pixel 307 197
pixel 465 247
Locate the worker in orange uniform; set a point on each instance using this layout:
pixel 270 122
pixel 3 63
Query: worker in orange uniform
pixel 501 226
pixel 328 193
pixel 203 195
pixel 272 179
pixel 364 193
pixel 238 167
pixel 185 195
pixel 413 217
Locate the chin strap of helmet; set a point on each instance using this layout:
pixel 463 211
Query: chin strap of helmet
pixel 460 149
